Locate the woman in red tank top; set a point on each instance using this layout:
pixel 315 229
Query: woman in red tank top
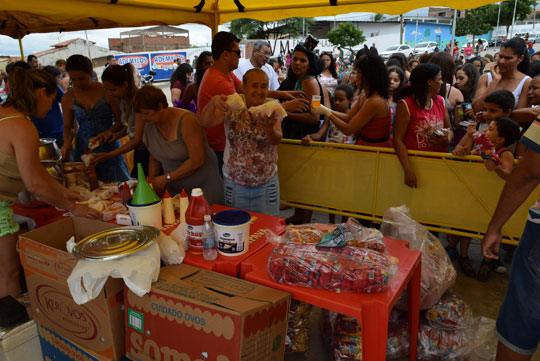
pixel 372 120
pixel 420 110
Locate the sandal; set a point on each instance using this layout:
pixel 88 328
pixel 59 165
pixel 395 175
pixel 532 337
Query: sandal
pixel 484 271
pixel 466 267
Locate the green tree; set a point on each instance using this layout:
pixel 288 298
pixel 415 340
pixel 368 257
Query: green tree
pixel 378 17
pixel 427 33
pixel 477 21
pixel 523 9
pixel 254 29
pixel 346 36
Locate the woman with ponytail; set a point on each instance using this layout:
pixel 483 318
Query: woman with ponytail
pixel 97 115
pixel 31 95
pixel 508 73
pixel 119 85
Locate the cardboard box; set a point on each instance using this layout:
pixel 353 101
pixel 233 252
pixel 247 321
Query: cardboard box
pixel 98 324
pixel 21 343
pixel 194 314
pixel 57 348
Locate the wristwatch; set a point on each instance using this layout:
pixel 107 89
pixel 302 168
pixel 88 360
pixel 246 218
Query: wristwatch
pixel 168 177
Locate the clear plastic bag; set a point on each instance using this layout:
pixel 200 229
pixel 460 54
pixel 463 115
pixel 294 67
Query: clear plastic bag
pixel 347 343
pixel 442 344
pixel 397 344
pixel 340 269
pixel 450 312
pixel 297 337
pixel 438 273
pixel 351 233
pixel 484 344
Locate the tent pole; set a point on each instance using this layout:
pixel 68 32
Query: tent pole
pixel 21 48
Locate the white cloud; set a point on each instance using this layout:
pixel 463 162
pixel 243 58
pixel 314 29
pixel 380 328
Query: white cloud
pixel 199 35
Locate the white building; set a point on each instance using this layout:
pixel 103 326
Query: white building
pixel 67 48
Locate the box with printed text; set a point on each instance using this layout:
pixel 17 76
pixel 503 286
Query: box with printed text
pixel 98 324
pixel 193 314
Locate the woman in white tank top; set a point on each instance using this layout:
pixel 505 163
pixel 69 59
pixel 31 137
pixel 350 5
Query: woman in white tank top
pixel 508 73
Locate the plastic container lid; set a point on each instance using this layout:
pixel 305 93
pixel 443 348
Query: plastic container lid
pixel 115 243
pixel 196 192
pixel 231 218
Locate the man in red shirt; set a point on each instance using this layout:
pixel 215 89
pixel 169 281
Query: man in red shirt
pixel 220 79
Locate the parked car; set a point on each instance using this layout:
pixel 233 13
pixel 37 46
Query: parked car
pixel 484 41
pixel 402 48
pixel 425 47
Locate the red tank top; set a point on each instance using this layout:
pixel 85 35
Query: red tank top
pixel 420 119
pixel 376 132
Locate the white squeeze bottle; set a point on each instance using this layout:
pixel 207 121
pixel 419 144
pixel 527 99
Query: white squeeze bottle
pixel 209 240
pixel 184 204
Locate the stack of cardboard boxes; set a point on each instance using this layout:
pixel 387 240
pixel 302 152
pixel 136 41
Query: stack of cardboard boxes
pixel 190 314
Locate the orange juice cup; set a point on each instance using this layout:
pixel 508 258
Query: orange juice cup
pixel 316 100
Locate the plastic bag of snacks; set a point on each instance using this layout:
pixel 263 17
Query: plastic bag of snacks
pixel 351 233
pixel 347 345
pixel 441 344
pixel 450 312
pixel 340 269
pixel 297 338
pixel 397 344
pixel 438 273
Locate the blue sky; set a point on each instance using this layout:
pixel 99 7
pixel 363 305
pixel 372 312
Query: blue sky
pixel 199 35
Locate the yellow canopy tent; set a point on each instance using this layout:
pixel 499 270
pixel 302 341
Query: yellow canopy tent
pixel 21 17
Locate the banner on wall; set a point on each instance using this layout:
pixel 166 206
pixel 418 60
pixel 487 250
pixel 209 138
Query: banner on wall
pixel 140 60
pixel 162 63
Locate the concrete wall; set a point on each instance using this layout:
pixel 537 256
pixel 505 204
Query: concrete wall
pixel 77 47
pixel 151 43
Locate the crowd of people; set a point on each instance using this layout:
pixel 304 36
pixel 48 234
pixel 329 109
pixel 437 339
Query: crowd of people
pixel 435 102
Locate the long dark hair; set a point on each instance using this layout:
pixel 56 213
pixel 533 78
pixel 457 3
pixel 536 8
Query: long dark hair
pixel 180 74
pixel 446 63
pixel 401 75
pixel 332 67
pixel 418 82
pixel 199 71
pixel 118 75
pixel 519 48
pixel 315 68
pixel 80 63
pixel 469 90
pixel 373 72
pixel 404 64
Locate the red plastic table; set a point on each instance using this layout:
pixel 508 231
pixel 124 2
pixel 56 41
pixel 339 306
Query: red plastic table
pixel 372 310
pixel 260 224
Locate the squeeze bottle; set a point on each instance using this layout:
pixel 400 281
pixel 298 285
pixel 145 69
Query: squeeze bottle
pixel 168 208
pixel 184 204
pixel 198 207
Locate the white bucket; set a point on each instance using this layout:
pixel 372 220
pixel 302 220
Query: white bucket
pixel 232 232
pixel 145 215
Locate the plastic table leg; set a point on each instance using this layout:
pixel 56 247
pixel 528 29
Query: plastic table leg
pixel 413 296
pixel 374 331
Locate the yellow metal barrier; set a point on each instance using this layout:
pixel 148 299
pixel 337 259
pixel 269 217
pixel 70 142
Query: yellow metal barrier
pixel 455 195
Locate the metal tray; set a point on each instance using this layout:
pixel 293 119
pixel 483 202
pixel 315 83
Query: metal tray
pixel 115 243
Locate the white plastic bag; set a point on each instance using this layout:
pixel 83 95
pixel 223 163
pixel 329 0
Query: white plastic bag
pixel 138 270
pixel 179 235
pixel 171 252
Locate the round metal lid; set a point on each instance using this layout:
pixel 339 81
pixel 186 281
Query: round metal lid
pixel 115 243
